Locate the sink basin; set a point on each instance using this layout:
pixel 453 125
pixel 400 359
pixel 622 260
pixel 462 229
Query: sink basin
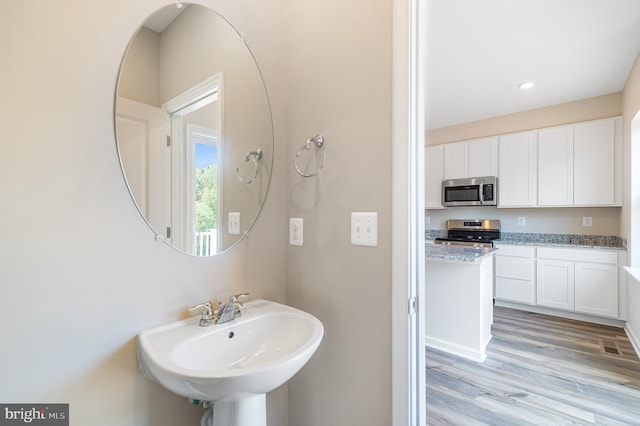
pixel 234 361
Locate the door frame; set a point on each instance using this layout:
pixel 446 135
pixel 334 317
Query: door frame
pixel 408 266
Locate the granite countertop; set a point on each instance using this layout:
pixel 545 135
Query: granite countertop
pixel 456 253
pixel 603 242
pixel 563 240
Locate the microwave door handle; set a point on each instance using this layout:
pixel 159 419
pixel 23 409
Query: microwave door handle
pixel 481 188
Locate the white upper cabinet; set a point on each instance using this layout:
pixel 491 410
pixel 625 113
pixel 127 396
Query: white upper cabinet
pixel 456 163
pixel 473 158
pixel 483 157
pixel 597 165
pixel 555 166
pixel 517 185
pixel 434 174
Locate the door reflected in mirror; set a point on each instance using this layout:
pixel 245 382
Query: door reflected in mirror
pixel 191 116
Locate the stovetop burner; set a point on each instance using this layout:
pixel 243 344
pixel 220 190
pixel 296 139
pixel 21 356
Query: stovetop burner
pixel 471 232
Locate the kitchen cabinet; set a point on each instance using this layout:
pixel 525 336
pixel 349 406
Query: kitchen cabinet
pixel 555 166
pixel 434 174
pixel 473 158
pixel 578 164
pixel 515 273
pixel 596 289
pixel 555 283
pixel 456 160
pixel 580 280
pixel 598 169
pixel 517 185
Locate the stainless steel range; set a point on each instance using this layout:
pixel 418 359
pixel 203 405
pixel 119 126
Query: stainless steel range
pixel 471 232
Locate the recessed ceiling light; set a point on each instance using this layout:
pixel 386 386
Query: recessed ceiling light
pixel 527 85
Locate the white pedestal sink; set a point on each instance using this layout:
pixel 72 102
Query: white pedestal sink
pixel 233 364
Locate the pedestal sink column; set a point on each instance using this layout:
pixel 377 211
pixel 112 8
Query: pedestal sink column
pixel 245 412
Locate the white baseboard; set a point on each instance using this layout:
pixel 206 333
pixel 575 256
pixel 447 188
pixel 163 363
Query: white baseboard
pixel 633 338
pixel 478 355
pixel 562 314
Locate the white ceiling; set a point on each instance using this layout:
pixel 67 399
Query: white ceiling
pixel 479 51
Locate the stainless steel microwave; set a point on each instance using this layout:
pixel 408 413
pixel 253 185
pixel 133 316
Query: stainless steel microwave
pixel 480 191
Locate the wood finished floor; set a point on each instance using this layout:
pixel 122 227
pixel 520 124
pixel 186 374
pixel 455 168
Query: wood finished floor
pixel 540 370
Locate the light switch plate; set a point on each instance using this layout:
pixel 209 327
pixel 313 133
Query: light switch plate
pixel 364 229
pixel 234 223
pixel 296 231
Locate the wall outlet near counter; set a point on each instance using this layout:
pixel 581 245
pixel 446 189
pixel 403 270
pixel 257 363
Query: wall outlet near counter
pixel 587 221
pixel 522 221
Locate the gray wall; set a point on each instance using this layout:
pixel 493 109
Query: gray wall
pixel 339 79
pixel 80 272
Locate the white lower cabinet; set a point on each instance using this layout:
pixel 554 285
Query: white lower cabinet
pixel 515 274
pixel 571 279
pixel 580 280
pixel 556 284
pixel 596 289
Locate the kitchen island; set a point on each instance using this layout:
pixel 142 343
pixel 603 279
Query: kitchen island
pixel 459 299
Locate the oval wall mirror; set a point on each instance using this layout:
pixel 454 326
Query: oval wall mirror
pixel 193 129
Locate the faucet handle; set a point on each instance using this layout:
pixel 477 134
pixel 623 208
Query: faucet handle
pixel 206 307
pixel 234 298
pixel 202 305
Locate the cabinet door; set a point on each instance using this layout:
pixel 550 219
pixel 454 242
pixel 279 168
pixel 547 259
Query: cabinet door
pixel 555 284
pixel 596 289
pixel 434 173
pixel 594 163
pixel 483 157
pixel 555 166
pixel 456 164
pixel 517 186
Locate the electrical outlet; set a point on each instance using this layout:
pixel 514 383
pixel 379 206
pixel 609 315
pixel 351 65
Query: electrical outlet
pixel 364 229
pixel 587 221
pixel 296 228
pixel 234 223
pixel 522 221
pixel 427 220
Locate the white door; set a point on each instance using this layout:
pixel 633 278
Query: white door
pixel 594 151
pixel 596 289
pixel 555 284
pixel 142 132
pixel 456 163
pixel 434 165
pixel 555 166
pixel 518 170
pixel 483 157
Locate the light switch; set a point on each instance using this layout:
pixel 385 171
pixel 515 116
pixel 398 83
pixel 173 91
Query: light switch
pixel 234 223
pixel 296 229
pixel 364 229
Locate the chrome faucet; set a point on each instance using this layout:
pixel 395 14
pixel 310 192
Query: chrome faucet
pixel 230 310
pixel 219 313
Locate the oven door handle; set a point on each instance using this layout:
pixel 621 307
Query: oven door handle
pixel 481 189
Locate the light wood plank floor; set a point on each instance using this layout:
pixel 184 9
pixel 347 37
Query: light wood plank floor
pixel 540 370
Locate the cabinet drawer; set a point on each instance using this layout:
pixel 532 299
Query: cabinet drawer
pixel 515 250
pixel 578 255
pixel 520 291
pixel 519 268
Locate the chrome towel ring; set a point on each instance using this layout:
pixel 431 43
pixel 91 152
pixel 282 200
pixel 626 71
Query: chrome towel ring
pixel 318 141
pixel 255 157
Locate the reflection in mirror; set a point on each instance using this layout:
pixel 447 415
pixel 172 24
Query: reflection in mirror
pixel 192 115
